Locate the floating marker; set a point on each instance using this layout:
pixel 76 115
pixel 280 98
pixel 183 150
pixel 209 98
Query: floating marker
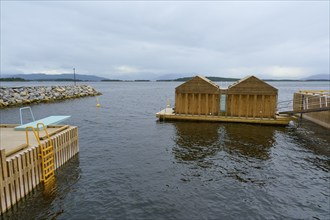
pixel 168 103
pixel 98 102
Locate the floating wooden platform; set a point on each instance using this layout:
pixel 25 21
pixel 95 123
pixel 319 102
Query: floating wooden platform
pixel 169 114
pixel 21 163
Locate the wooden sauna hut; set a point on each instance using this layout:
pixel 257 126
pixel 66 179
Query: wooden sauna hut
pixel 198 96
pixel 249 100
pixel 251 97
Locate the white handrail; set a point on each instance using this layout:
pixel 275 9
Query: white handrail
pixel 20 113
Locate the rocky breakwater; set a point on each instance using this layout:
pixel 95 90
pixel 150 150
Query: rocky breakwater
pixel 13 96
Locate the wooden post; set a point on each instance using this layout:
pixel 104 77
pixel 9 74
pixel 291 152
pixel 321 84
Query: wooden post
pixel 247 106
pixel 213 104
pixel 275 106
pixel 207 104
pixel 11 182
pixel 226 104
pixel 5 198
pixel 263 106
pixel 193 104
pixel 255 106
pixel 178 106
pixel 16 179
pixel 3 205
pixel 25 182
pixel 232 105
pixel 199 104
pixel 239 105
pixel 20 175
pixel 186 103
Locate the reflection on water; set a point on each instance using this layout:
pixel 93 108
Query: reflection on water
pixel 237 151
pixel 195 141
pixel 250 140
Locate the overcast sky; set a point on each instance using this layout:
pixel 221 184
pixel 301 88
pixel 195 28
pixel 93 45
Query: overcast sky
pixel 150 39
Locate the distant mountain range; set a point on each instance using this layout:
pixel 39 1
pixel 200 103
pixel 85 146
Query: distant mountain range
pixel 168 77
pixel 318 77
pixel 54 77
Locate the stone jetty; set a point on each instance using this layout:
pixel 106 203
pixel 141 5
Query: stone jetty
pixel 14 96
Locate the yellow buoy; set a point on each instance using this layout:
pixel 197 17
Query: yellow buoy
pixel 98 103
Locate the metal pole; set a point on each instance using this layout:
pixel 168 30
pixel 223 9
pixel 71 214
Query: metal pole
pixel 74 76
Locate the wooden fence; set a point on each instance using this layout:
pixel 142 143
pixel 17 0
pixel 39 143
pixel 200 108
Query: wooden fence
pixel 314 101
pixel 22 172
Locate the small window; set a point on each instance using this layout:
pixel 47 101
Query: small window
pixel 223 102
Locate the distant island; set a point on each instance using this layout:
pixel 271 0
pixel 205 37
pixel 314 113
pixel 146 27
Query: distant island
pixel 18 79
pixel 53 77
pixel 83 78
pixel 12 79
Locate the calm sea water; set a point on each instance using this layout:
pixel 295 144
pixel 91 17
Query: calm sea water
pixel 131 166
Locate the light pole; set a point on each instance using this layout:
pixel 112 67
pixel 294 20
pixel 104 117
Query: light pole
pixel 74 76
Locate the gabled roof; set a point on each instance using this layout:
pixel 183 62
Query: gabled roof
pixel 198 84
pixel 252 85
pixel 239 81
pixel 209 81
pixel 203 78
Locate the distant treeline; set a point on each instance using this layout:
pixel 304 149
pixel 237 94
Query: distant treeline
pixel 60 80
pixel 12 79
pixel 17 79
pixel 118 80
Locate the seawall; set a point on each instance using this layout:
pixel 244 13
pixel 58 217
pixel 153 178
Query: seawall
pixel 15 96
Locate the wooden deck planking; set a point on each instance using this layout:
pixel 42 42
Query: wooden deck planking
pixel 279 120
pixel 13 141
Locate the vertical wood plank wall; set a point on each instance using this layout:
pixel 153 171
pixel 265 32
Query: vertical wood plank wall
pixel 21 173
pixel 237 105
pixel 197 103
pixel 256 106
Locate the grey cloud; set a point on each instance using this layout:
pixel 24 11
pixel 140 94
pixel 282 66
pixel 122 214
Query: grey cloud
pixel 150 39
